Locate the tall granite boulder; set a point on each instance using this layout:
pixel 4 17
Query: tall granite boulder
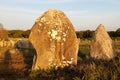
pixel 54 38
pixel 102 46
pixel 23 44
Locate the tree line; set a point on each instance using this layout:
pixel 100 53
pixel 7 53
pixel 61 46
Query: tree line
pixel 80 34
pixel 87 34
pixel 18 33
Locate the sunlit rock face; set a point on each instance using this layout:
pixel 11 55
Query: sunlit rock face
pixel 53 36
pixel 102 46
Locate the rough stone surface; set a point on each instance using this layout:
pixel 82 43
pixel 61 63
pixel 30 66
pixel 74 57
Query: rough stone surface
pixel 53 36
pixel 102 46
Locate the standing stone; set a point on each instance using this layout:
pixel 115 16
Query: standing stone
pixel 102 46
pixel 54 38
pixel 3 33
pixel 23 44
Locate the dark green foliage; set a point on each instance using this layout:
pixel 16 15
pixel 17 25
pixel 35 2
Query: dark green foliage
pixel 26 33
pixel 87 34
pixel 118 32
pixel 84 34
pixel 112 34
pixel 15 33
pixel 18 33
pixel 79 34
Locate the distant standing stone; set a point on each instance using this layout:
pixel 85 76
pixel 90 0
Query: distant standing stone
pixel 102 46
pixel 54 38
pixel 3 33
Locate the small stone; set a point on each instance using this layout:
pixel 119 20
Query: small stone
pixel 23 44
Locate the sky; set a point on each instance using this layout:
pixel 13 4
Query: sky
pixel 83 14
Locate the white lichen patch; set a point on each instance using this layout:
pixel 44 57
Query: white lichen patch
pixel 48 22
pixel 72 59
pixel 60 64
pixel 58 38
pixel 69 62
pixel 63 58
pixel 43 19
pixel 39 24
pixel 54 64
pixel 54 33
pixel 64 34
pixel 64 62
pixel 50 60
pixel 49 33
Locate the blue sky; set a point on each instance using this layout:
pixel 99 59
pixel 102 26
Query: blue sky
pixel 84 14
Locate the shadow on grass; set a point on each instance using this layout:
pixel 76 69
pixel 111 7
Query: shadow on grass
pixel 12 65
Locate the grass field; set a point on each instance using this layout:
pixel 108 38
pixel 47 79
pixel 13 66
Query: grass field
pixel 86 69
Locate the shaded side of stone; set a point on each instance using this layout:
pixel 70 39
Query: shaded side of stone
pixel 23 44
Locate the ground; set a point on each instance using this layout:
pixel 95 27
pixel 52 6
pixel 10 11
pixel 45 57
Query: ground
pixel 86 69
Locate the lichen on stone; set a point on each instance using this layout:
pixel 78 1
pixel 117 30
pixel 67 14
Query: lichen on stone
pixel 58 38
pixel 54 33
pixel 55 43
